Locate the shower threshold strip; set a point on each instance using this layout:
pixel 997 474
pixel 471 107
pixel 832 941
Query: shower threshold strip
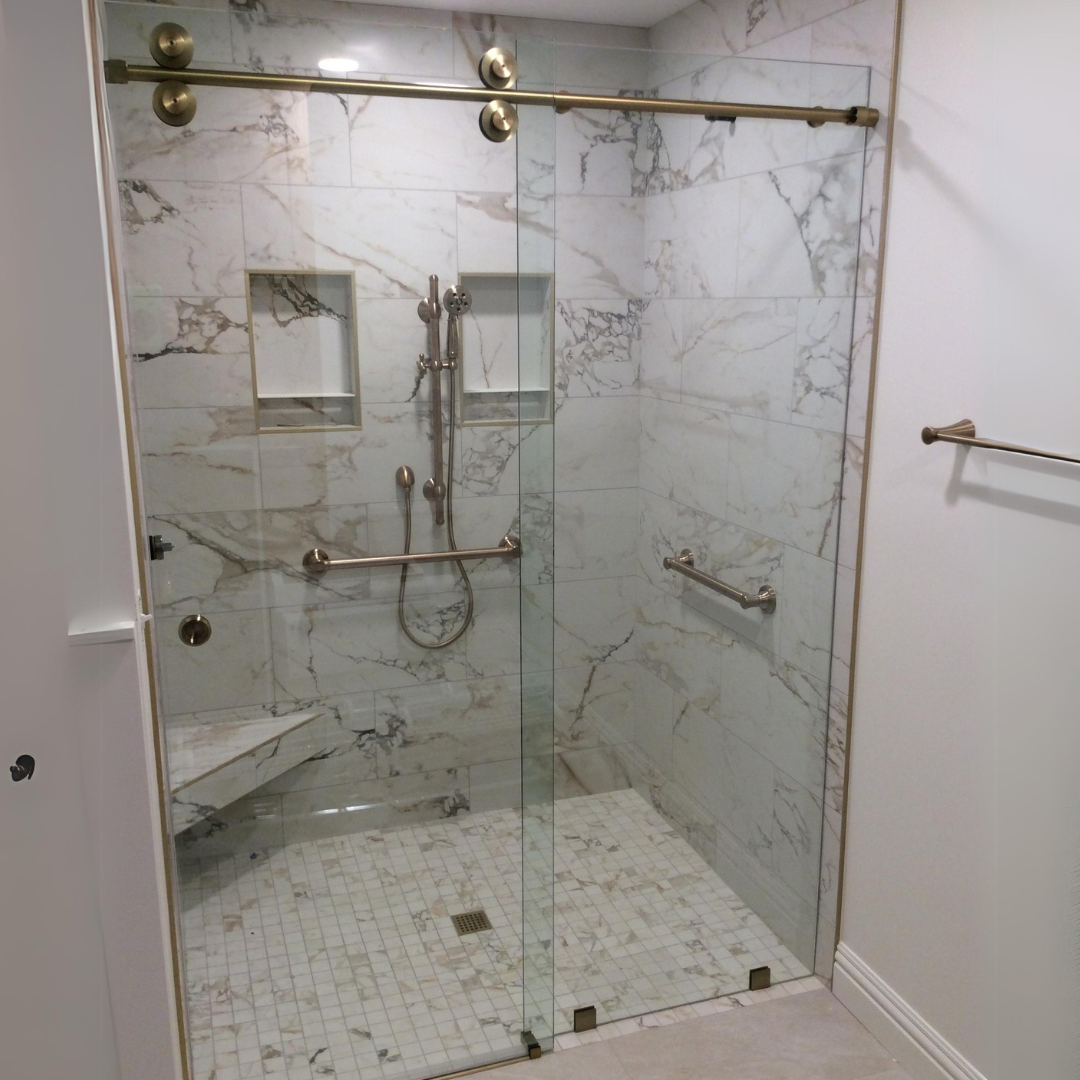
pixel 119 71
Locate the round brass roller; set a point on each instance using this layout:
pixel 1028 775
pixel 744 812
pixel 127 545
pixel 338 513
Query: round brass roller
pixel 174 103
pixel 171 45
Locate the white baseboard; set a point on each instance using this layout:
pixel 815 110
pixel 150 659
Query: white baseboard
pixel 917 1046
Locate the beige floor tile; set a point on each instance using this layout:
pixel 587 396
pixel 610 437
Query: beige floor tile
pixel 807 1037
pixel 597 1061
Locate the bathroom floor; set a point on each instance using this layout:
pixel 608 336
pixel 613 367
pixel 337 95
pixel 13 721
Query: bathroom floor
pixel 338 957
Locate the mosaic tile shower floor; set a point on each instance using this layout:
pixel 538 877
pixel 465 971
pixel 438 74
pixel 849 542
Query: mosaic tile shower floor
pixel 337 957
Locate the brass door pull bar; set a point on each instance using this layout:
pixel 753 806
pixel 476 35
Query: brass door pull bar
pixel 963 432
pixel 684 564
pixel 317 561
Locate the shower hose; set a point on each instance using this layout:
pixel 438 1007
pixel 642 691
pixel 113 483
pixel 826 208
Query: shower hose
pixel 470 600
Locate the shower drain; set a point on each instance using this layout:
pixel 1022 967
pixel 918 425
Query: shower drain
pixel 471 922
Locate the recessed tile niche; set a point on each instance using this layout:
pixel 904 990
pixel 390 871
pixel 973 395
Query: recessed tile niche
pixel 303 350
pixel 507 349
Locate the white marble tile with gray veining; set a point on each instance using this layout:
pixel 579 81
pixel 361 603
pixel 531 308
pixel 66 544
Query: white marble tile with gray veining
pixel 595 621
pixel 823 363
pixel 796 836
pixel 661 348
pixel 447 726
pixel 595 152
pixel 799 229
pixel 768 19
pixel 685 453
pixel 806 630
pixel 595 533
pixel 597 347
pixel 738 356
pixel 182 239
pixel 392 240
pixel 321 651
pixel 598 247
pixel 596 443
pixel 199 460
pixel 784 482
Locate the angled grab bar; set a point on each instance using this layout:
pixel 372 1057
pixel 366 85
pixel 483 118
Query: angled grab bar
pixel 963 432
pixel 317 561
pixel 684 564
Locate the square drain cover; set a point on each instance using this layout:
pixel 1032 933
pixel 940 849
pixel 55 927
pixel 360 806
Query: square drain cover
pixel 471 922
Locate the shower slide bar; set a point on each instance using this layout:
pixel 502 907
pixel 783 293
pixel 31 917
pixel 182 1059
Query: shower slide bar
pixel 963 432
pixel 684 564
pixel 317 561
pixel 119 71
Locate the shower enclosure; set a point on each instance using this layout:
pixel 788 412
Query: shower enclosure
pixel 491 495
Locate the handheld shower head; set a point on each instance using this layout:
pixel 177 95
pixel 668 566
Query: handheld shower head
pixel 405 477
pixel 457 300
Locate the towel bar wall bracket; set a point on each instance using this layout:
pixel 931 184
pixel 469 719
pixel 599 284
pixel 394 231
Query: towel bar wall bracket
pixel 963 433
pixel 683 563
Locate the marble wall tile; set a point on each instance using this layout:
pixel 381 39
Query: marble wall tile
pixel 495 785
pixel 189 351
pixel 447 726
pixel 373 804
pixel 326 468
pixel 198 460
pixel 767 19
pixel 653 715
pixel 684 454
pixel 598 247
pixel 777 709
pixel 823 363
pixel 320 651
pixel 493 642
pixel 717 152
pixel 595 621
pixel 242 135
pixel 597 705
pixel 839 87
pixel 860 34
pixel 739 356
pixel 681 647
pixel 279 42
pixel 595 533
pixel 487 234
pixel 427 149
pixel 661 348
pixel 730 779
pixel 490 463
pixel 595 151
pixel 798 232
pixel 796 836
pixel 392 240
pixel 242 559
pixel 182 239
pixel 590 772
pixel 706 26
pixel 596 443
pixel 232 668
pixel 390 336
pixel 597 347
pixel 862 351
pixel 806 615
pixel 873 187
pixel 784 481
pixel 692 242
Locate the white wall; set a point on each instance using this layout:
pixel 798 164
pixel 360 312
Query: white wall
pixel 84 979
pixel 964 755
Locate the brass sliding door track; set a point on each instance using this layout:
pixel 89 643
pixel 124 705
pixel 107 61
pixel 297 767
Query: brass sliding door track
pixel 119 71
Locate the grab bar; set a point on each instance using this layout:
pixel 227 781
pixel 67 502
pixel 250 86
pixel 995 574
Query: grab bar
pixel 317 561
pixel 963 433
pixel 684 564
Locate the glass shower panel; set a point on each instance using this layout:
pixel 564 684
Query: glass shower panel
pixel 707 278
pixel 348 775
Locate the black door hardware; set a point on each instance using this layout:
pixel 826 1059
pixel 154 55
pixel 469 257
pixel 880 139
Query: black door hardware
pixel 23 768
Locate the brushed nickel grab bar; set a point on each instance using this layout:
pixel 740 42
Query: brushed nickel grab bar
pixel 684 564
pixel 963 432
pixel 317 561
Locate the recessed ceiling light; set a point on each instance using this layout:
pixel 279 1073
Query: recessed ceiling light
pixel 338 64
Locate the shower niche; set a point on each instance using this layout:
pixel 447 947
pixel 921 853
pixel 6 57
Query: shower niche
pixel 508 349
pixel 304 367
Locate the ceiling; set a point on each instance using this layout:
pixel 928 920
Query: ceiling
pixel 611 12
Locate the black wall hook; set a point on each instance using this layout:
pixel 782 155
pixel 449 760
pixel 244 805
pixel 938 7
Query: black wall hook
pixel 23 768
